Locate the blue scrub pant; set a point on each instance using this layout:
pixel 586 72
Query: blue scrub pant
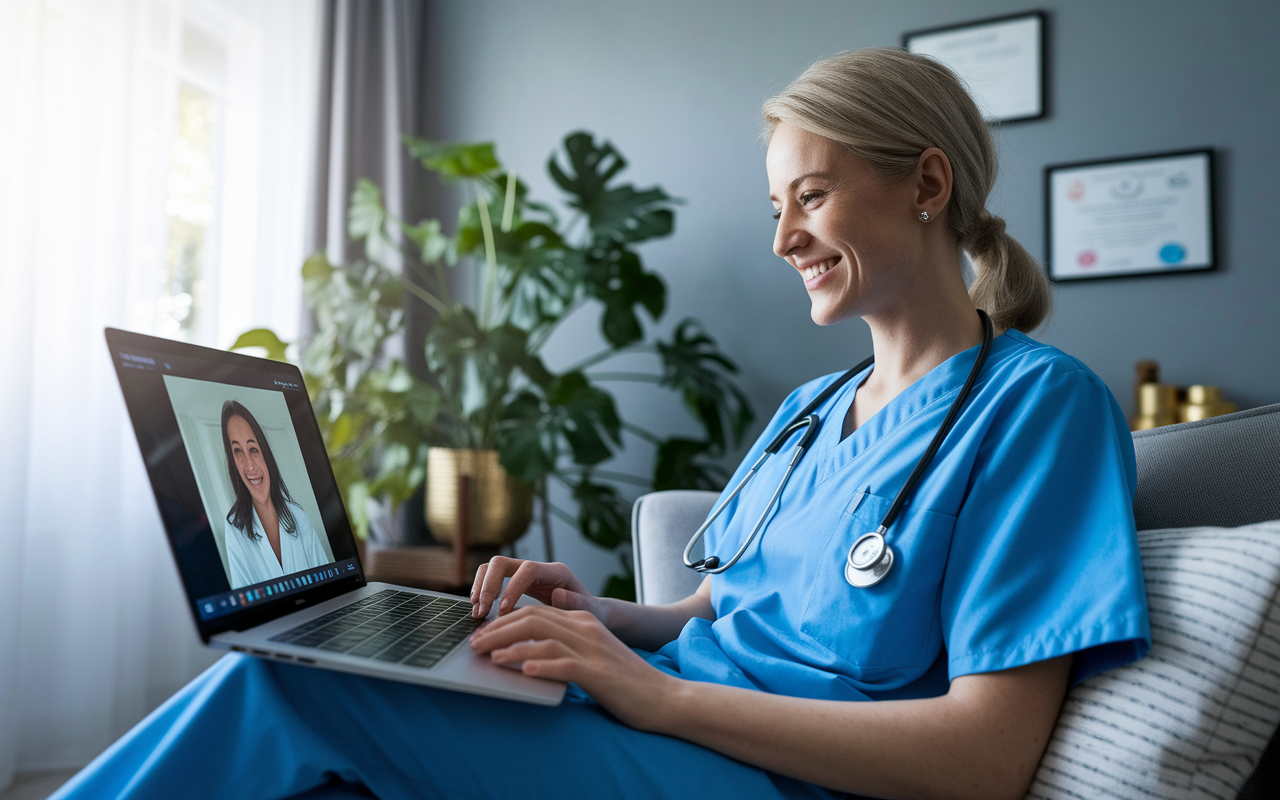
pixel 250 729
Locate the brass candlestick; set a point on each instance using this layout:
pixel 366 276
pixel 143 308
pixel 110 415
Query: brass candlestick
pixel 1157 405
pixel 1204 402
pixel 1164 404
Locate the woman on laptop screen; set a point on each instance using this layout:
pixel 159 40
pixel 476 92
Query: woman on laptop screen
pixel 263 510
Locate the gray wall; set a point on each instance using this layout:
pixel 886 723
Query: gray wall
pixel 677 86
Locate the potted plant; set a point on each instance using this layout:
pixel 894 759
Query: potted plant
pixel 524 270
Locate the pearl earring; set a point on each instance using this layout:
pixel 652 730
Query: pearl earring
pixel 924 216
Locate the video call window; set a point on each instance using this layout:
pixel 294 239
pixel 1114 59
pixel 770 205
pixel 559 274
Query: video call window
pixel 252 479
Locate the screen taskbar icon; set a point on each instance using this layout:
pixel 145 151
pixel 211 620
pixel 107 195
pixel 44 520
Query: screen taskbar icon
pixel 219 605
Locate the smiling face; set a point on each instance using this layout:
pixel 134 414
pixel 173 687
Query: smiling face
pixel 852 236
pixel 247 452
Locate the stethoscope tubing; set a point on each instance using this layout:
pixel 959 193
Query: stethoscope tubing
pixel 948 422
pixel 811 423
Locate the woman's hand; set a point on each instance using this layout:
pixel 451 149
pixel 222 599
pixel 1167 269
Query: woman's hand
pixel 537 579
pixel 575 646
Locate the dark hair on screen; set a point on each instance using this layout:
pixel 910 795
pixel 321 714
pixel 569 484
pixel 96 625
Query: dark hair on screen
pixel 241 513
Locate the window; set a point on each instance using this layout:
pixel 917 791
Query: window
pixel 193 55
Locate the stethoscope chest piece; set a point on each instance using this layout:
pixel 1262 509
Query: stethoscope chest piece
pixel 869 561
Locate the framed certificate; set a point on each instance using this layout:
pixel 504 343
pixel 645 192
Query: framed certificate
pixel 1133 216
pixel 1001 61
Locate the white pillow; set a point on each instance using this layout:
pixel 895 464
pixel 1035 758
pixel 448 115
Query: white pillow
pixel 1192 718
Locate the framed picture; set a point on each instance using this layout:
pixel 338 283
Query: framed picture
pixel 1001 61
pixel 1142 215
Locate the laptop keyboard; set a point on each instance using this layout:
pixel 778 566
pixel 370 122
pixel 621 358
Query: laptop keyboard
pixel 396 627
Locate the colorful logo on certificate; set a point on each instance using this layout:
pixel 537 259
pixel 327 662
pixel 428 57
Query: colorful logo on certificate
pixel 1173 253
pixel 1087 258
pixel 1076 191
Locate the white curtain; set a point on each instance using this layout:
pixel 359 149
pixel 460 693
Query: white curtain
pixel 94 629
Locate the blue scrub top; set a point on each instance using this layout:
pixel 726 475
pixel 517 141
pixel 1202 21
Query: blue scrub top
pixel 1017 545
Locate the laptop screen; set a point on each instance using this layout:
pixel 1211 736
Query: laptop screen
pixel 241 477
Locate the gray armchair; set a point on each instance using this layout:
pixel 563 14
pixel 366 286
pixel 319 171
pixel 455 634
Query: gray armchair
pixel 1222 473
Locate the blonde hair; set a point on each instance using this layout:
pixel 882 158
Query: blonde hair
pixel 888 106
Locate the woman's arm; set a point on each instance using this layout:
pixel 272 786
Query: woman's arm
pixel 647 627
pixel 650 627
pixel 982 739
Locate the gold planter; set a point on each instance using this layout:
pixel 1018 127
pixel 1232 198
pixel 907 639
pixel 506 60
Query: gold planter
pixel 499 507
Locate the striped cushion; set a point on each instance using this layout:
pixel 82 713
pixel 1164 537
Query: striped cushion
pixel 1192 718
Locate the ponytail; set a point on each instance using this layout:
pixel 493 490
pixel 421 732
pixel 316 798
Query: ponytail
pixel 1009 285
pixel 888 106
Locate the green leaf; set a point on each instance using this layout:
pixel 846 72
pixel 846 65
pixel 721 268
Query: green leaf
pixel 616 278
pixel 681 464
pixel 543 287
pixel 423 404
pixel 354 491
pixel 620 214
pixel 431 243
pixel 588 416
pixel 603 515
pixel 454 160
pixel 571 411
pixel 317 269
pixel 625 214
pixel 591 166
pixel 527 438
pixel 264 338
pixel 366 219
pixel 478 370
pixel 541 277
pixel 395 476
pixel 693 365
pixel 357 507
pixel 342 432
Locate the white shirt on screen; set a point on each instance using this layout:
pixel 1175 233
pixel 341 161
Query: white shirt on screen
pixel 253 561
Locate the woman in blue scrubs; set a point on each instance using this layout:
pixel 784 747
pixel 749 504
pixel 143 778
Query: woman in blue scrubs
pixel 1016 571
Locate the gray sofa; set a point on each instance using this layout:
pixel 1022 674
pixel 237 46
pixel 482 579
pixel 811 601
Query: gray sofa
pixel 1221 472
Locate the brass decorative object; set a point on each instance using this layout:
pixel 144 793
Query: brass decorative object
pixel 1204 402
pixel 1164 404
pixel 1157 405
pixel 499 508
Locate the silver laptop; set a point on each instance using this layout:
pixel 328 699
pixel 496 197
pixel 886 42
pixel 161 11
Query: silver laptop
pixel 229 440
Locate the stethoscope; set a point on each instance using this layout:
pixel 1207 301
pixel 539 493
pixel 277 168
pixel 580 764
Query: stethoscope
pixel 870 556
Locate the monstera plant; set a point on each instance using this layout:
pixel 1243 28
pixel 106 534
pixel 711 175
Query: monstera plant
pixel 513 270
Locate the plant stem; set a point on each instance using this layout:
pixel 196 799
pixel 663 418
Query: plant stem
pixel 621 477
pixel 509 205
pixel 490 258
pixel 641 377
pixel 564 515
pixel 425 296
pixel 652 438
pixel 539 337
pixel 568 228
pixel 605 355
pixel 544 506
pixel 443 280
